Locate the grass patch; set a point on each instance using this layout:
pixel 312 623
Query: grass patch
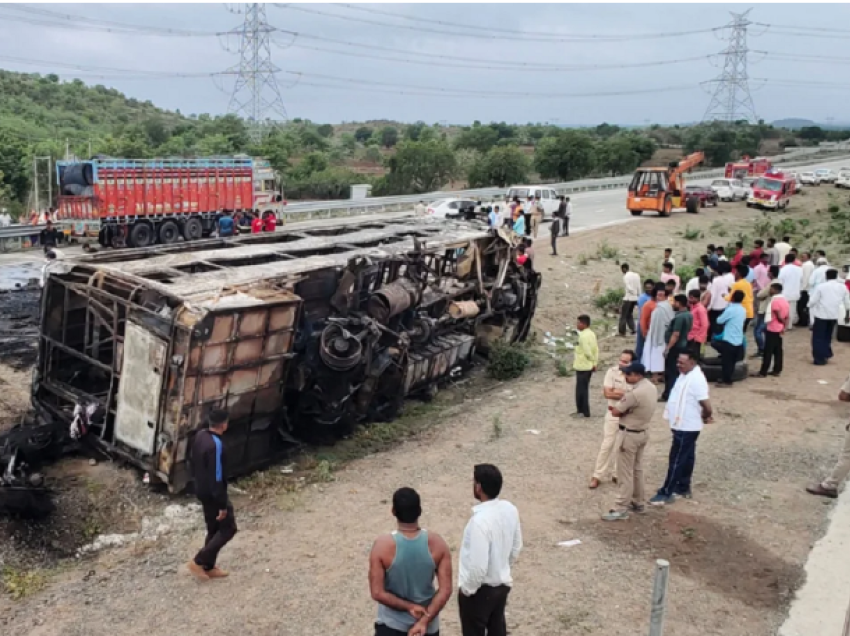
pixel 507 362
pixel 22 583
pixel 718 229
pixel 583 259
pixel 497 428
pixel 606 250
pixel 563 370
pixel 611 299
pixel 692 234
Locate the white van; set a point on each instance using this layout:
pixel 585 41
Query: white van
pixel 548 196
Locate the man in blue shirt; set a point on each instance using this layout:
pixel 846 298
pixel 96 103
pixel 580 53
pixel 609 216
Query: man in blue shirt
pixel 730 343
pixel 225 225
pixel 648 286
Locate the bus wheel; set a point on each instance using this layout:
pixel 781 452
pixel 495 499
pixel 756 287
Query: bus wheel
pixel 193 229
pixel 636 212
pixel 141 235
pixel 169 233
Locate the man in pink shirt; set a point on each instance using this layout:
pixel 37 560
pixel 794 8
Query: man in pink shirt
pixel 762 274
pixel 776 318
pixel 669 275
pixel 699 328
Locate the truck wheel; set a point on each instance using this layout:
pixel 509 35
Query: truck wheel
pixel 692 205
pixel 667 209
pixel 141 235
pixel 193 229
pixel 636 212
pixel 169 233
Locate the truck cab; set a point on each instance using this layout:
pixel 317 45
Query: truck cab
pixel 772 192
pixel 268 191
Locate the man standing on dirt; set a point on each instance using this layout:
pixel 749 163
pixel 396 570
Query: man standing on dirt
pixel 631 293
pixel 402 567
pixel 829 486
pixel 677 342
pixel 688 409
pixel 614 387
pixel 567 215
pixel 537 213
pixel 775 319
pixel 584 364
pixel 646 296
pixel 808 268
pixel 635 410
pixel 791 277
pixel 829 301
pixel 492 541
pixel 209 469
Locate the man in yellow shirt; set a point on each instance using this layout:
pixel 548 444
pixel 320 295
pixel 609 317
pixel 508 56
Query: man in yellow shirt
pixel 741 284
pixel 584 364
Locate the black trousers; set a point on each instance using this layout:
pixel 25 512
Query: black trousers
pixel 583 392
pixel 729 355
pixel 695 348
pixel 555 231
pixel 670 371
pixel 527 219
pixel 483 613
pixel 627 318
pixel 219 533
pixel 680 465
pixel 565 226
pixel 822 340
pixel 713 315
pixel 772 353
pixel 383 630
pixel 803 309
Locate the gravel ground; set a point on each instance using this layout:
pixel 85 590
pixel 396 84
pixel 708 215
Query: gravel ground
pixel 299 563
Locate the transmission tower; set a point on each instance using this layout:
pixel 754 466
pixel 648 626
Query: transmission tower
pixel 731 100
pixel 256 96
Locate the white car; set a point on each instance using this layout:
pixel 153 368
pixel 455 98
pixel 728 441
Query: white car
pixel 451 208
pixel 825 175
pixel 548 196
pixel 809 178
pixel 730 189
pixel 843 180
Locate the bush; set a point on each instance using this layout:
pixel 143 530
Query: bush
pixel 692 234
pixel 685 273
pixel 604 250
pixel 507 361
pixel 611 299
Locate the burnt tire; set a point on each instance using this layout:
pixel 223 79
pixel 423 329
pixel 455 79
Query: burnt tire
pixel 692 205
pixel 141 235
pixel 193 229
pixel 713 371
pixel 842 334
pixel 636 212
pixel 169 233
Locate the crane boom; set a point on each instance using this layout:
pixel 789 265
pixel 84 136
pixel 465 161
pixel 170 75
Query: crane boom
pixel 689 162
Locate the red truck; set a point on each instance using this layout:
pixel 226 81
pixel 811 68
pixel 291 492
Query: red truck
pixel 136 203
pixel 747 167
pixel 772 191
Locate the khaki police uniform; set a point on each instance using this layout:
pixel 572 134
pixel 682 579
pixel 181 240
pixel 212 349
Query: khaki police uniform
pixel 637 406
pixel 606 461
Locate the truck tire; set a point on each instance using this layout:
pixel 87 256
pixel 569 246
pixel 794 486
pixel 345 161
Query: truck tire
pixel 80 174
pixel 712 370
pixel 141 235
pixel 692 205
pixel 636 212
pixel 168 233
pixel 193 229
pixel 667 207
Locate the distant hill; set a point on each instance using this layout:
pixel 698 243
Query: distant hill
pixel 794 123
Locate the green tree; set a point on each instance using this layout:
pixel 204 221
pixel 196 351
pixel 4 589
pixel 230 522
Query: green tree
pixel 607 130
pixel 389 137
pixel 373 154
pixel 617 155
pixel 325 130
pixel 309 139
pixel 309 164
pixel 480 138
pixel 419 166
pixel 413 131
pixel 14 165
pixel 501 166
pixel 348 143
pixel 719 146
pixel 218 144
pixel 362 134
pixel 568 156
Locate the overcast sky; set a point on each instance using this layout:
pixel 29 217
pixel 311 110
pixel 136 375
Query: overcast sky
pixel 497 94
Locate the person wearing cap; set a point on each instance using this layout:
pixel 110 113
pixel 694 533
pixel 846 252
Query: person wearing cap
pixel 614 387
pixel 635 410
pixel 687 410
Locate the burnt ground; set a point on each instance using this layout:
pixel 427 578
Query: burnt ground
pixel 298 565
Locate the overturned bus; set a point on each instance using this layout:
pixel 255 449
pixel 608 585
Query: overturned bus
pixel 297 333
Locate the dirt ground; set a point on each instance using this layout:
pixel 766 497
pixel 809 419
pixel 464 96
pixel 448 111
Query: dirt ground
pixel 299 563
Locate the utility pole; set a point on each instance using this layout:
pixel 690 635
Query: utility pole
pixel 731 100
pixel 256 96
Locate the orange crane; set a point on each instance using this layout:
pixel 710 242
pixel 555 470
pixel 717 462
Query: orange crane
pixel 662 189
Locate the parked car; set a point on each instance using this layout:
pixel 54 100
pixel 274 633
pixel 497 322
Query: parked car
pixel 706 195
pixel 825 175
pixel 452 208
pixel 548 196
pixel 797 185
pixel 843 180
pixel 809 178
pixel 730 189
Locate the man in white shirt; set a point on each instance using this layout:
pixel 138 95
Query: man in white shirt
pixel 688 408
pixel 791 277
pixel 492 542
pixel 828 302
pixel 819 274
pixel 719 289
pixel 566 219
pixel 808 268
pixel 693 283
pixel 782 248
pixel 631 285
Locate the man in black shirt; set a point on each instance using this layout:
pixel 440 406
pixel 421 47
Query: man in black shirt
pixel 48 237
pixel 209 469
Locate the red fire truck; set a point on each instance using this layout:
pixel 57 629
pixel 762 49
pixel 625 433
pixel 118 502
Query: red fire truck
pixel 747 167
pixel 136 203
pixel 772 191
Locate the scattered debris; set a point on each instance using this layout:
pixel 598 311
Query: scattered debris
pixel 175 518
pixel 532 431
pixel 569 544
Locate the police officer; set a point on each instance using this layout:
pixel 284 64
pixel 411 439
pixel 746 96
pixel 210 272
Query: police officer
pixel 635 410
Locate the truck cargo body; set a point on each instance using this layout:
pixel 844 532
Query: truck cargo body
pixel 747 167
pixel 297 333
pixel 141 202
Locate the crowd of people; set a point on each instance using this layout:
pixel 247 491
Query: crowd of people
pixel 245 223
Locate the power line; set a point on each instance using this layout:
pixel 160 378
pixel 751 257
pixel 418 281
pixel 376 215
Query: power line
pixel 256 96
pixel 484 36
pixel 731 100
pixel 121 73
